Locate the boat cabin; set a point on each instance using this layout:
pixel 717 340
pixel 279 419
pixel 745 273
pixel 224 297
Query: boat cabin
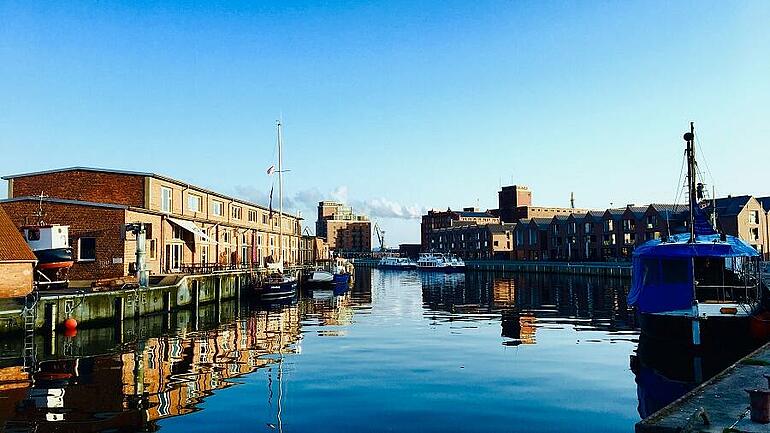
pixel 673 274
pixel 46 237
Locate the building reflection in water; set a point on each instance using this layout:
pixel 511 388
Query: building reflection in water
pixel 157 367
pixel 524 302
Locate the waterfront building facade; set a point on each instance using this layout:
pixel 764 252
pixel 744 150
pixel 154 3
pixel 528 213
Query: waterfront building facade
pixel 434 220
pixel 745 217
pixel 187 226
pixel 474 241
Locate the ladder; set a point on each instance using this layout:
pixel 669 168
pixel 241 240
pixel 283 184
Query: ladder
pixel 28 315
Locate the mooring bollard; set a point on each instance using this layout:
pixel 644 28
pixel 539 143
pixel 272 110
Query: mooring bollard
pixel 760 405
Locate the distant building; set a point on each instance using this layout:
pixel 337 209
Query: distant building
pixel 434 220
pixel 474 241
pixel 515 203
pixel 409 250
pixel 17 261
pixel 743 216
pixel 187 225
pixel 344 231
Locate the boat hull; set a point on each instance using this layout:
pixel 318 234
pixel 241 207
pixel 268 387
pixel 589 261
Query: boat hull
pixel 714 330
pixel 441 269
pixel 277 291
pixel 53 265
pixel 398 267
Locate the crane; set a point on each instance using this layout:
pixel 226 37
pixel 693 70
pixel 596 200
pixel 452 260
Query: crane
pixel 380 236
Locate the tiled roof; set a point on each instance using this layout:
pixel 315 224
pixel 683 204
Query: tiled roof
pixel 542 222
pixel 12 244
pixel 729 206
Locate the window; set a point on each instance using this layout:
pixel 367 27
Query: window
pixel 754 217
pixel 177 233
pixel 204 254
pixel 194 203
pixel 264 218
pixel 165 199
pixel 33 234
pixel 216 207
pixel 226 237
pixel 252 216
pixel 587 227
pixel 152 249
pixel 236 212
pixel 754 233
pixel 86 249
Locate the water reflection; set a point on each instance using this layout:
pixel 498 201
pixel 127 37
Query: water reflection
pixel 526 301
pixel 410 351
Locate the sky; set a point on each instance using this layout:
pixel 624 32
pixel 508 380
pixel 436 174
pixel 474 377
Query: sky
pixel 396 106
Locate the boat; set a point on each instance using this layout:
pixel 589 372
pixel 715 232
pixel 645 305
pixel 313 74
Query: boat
pixel 50 244
pixel 702 287
pixel 402 263
pixel 319 276
pixel 440 262
pixel 278 285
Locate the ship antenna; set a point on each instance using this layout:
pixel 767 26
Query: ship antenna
pixel 689 137
pixel 40 213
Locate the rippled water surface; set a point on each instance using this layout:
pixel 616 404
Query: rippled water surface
pixel 400 351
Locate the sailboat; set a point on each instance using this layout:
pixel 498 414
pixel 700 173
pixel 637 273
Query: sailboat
pixel 701 287
pixel 279 285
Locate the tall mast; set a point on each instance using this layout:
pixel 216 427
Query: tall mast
pixel 690 139
pixel 280 194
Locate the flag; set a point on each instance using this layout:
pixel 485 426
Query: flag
pixel 271 201
pixel 271 170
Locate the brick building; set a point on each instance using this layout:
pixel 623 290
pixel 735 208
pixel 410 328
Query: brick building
pixel 17 261
pixel 187 225
pixel 435 219
pixel 743 216
pixel 344 231
pixel 474 241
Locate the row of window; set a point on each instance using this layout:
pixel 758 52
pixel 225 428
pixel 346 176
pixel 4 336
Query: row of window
pixel 195 204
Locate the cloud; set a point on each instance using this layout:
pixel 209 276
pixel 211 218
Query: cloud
pixel 384 208
pixel 306 200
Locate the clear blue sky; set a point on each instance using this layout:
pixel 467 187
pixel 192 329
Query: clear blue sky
pixel 415 104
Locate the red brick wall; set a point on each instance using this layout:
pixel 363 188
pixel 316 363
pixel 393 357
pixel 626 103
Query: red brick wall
pixel 84 185
pixel 104 224
pixel 15 279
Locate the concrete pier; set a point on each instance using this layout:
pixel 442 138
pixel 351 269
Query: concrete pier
pixel 720 404
pixel 98 308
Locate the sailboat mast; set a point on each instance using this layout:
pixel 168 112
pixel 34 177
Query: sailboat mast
pixel 280 194
pixel 690 138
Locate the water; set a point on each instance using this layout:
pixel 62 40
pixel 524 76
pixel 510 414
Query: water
pixel 401 351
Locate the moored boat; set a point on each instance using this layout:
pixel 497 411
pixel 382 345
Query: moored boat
pixel 50 244
pixel 440 262
pixel 701 287
pixel 402 263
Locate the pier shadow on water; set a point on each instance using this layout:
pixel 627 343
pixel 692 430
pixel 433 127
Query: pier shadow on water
pixel 398 351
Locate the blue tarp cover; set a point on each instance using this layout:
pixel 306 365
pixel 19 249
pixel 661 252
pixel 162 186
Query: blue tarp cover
pixel 662 272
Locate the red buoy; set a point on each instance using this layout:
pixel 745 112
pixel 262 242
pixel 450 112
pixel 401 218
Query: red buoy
pixel 70 332
pixel 70 323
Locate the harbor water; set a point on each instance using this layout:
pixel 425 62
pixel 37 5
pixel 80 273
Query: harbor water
pixel 399 351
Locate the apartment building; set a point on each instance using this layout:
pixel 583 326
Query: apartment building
pixel 187 225
pixel 435 220
pixel 743 216
pixel 474 241
pixel 344 230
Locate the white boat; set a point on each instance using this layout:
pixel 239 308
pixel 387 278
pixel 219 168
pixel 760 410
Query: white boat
pixel 396 263
pixel 320 276
pixel 440 262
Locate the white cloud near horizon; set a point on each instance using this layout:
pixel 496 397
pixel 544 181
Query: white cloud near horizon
pixel 306 201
